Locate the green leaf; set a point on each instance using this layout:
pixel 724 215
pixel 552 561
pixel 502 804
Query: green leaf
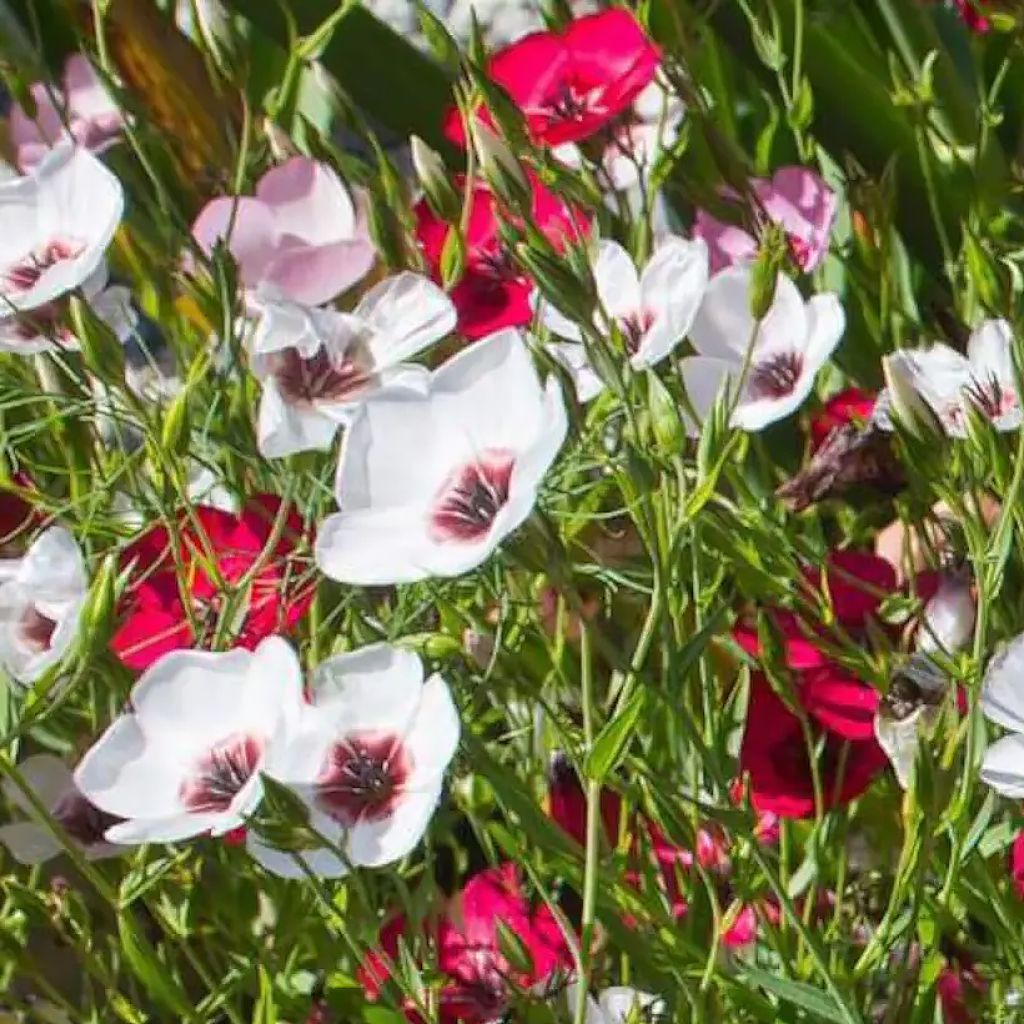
pixel 154 975
pixel 796 992
pixel 611 742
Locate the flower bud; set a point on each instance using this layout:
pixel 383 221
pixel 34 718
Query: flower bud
pixel 948 620
pixel 434 180
pixel 478 647
pixel 101 349
pixel 666 425
pixel 97 614
pixel 905 402
pixel 500 167
pixel 174 433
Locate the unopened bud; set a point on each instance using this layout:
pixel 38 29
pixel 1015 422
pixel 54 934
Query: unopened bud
pixel 98 613
pixel 555 280
pixel 500 167
pixel 174 434
pixel 948 620
pixel 906 405
pixel 764 279
pixel 478 647
pixel 669 435
pixel 434 180
pixel 101 349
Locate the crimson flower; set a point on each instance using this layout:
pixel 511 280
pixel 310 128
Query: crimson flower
pixel 494 292
pixel 571 84
pixel 1017 865
pixel 17 520
pixel 479 980
pixel 179 586
pixel 960 989
pixel 972 17
pixel 849 406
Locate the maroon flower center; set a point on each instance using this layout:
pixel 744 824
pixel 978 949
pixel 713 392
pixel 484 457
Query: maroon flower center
pixel 800 251
pixel 496 265
pixel 221 773
pixel 362 777
pixel 320 377
pixel 572 101
pixel 634 327
pixel 23 275
pixel 471 498
pixel 990 396
pixel 36 629
pixel 81 820
pixel 776 376
pixel 481 989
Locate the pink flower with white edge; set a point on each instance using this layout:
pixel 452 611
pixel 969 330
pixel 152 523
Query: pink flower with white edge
pixel 41 599
pixel 85 108
pixel 773 362
pixel 653 310
pixel 186 759
pixel 300 236
pixel 951 383
pixel 430 484
pixel 797 200
pixel 31 842
pixel 58 222
pixel 317 365
pixel 368 758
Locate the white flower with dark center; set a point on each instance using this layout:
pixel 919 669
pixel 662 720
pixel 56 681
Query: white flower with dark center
pixel 653 310
pixel 41 599
pixel 430 484
pixel 318 365
pixel 772 362
pixel 58 222
pixel 616 1005
pixel 368 759
pixel 30 841
pixel 186 759
pixel 1002 701
pixel 951 383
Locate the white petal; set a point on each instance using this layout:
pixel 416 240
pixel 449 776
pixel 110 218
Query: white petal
pixel 616 1004
pixel 826 321
pixel 574 991
pixel 432 736
pixel 166 830
pixel 49 777
pixel 704 378
pixel 29 843
pixel 900 738
pixel 53 567
pixel 405 314
pixel 557 322
pixel 988 351
pixel 618 284
pixel 535 460
pixel 284 429
pixel 1003 766
pixel 573 357
pixel 1002 693
pixel 321 862
pixel 375 843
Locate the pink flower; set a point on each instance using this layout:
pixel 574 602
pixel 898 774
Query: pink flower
pixel 1017 865
pixel 571 84
pixel 91 115
pixel 848 406
pixel 796 199
pixel 972 17
pixel 960 989
pixel 300 237
pixel 494 292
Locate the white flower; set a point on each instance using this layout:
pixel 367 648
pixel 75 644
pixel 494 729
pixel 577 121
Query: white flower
pixel 41 599
pixel 951 383
pixel 430 484
pixel 654 310
pixel 948 620
pixel 368 759
pixel 786 348
pixel 616 1005
pixel 186 759
pixel 318 365
pixel 1002 701
pixel 30 842
pixel 58 222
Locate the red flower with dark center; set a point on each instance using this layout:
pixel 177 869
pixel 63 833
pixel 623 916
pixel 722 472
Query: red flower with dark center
pixel 775 758
pixel 851 405
pixel 362 777
pixel 221 774
pixel 493 292
pixel 479 980
pixel 571 84
pixel 470 499
pixel 212 546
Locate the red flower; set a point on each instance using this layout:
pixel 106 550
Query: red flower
pixel 960 987
pixel 972 17
pixel 1017 864
pixel 213 545
pixel 480 981
pixel 774 756
pixel 494 292
pixel 851 405
pixel 572 84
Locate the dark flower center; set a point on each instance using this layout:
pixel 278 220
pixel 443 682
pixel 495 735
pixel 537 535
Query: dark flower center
pixel 23 275
pixel 221 773
pixel 305 381
pixel 496 265
pixel 990 396
pixel 36 629
pixel 81 820
pixel 362 777
pixel 472 497
pixel 571 102
pixel 776 376
pixel 634 327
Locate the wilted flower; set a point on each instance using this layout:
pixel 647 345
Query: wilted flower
pixel 493 292
pixel 653 310
pixel 616 1005
pixel 58 222
pixel 41 599
pixel 368 757
pixel 571 84
pixel 166 608
pixel 429 485
pixel 85 110
pixel 318 365
pixel 186 759
pixel 30 842
pixel 1002 701
pixel 797 200
pixel 773 362
pixel 299 237
pixel 479 982
pixel 951 383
